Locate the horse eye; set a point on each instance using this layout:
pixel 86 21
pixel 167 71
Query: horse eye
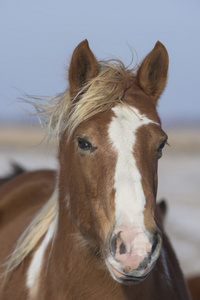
pixel 159 150
pixel 84 145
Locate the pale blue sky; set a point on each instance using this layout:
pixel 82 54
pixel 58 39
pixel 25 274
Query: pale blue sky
pixel 38 36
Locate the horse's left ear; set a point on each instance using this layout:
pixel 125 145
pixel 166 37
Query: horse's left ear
pixel 152 74
pixel 83 67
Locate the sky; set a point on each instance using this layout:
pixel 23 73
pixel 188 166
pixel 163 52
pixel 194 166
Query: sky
pixel 38 37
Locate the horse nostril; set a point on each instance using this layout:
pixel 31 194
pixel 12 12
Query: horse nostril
pixel 113 245
pixel 117 246
pixel 122 249
pixel 155 242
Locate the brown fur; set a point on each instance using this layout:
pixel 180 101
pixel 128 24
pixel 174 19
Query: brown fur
pixel 74 263
pixel 20 199
pixel 194 287
pixel 154 66
pixel 149 137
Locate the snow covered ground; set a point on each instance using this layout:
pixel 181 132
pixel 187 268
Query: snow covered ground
pixel 179 183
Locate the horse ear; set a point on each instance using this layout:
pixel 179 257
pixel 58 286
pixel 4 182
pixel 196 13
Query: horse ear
pixel 152 74
pixel 83 67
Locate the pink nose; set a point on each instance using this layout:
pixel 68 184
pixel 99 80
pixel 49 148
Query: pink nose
pixel 132 248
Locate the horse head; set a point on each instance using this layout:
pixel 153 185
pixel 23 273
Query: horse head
pixel 108 159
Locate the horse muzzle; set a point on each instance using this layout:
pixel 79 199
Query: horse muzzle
pixel 131 255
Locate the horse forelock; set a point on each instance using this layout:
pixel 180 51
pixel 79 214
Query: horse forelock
pixel 100 94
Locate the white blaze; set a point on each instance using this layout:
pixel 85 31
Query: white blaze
pixel 129 197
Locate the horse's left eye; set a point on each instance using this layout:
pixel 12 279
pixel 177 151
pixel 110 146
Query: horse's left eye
pixel 159 150
pixel 84 145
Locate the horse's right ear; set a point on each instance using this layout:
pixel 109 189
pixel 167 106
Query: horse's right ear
pixel 83 67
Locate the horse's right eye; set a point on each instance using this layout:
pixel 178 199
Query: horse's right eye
pixel 84 145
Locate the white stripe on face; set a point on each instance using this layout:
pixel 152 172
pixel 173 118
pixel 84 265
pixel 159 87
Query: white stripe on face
pixel 129 195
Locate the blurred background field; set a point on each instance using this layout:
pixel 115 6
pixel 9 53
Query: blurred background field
pixel 37 40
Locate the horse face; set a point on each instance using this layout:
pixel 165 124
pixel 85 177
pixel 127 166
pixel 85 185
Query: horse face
pixel 109 169
pixel 112 185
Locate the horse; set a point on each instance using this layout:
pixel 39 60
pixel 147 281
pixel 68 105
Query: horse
pixel 16 170
pixel 92 229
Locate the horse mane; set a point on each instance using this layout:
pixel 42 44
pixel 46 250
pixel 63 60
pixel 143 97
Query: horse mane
pixel 60 113
pixel 33 233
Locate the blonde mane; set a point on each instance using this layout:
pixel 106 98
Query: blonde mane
pixel 63 113
pixel 33 233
